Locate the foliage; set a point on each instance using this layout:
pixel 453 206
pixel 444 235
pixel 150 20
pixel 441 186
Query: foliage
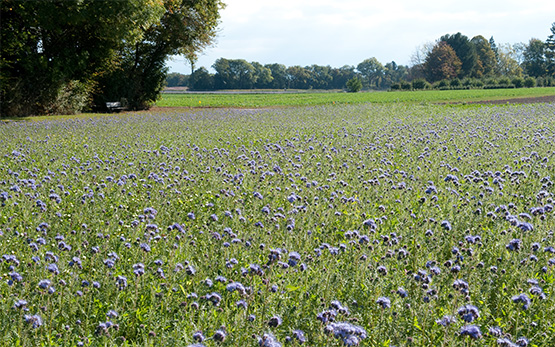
pixel 320 76
pixel 49 45
pixel 455 82
pixel 341 75
pixel 279 76
pixel 465 50
pixel 393 73
pixel 176 79
pixel 234 74
pixel 534 58
pixel 529 82
pixel 442 63
pixel 372 72
pixel 262 75
pixel 298 77
pixel 508 64
pixel 487 60
pixel 185 27
pixel 405 85
pixel 201 79
pixel 354 85
pixel 420 84
pixel 110 49
pixel 550 52
pixel 518 82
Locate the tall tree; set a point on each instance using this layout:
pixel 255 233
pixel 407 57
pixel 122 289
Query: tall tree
pixel 341 75
pixel 486 57
pixel 234 74
pixel 507 64
pixel 550 52
pixel 176 79
pixel 466 52
pixel 279 75
pixel 53 51
pixel 67 52
pixel 442 63
pixel 494 48
pixel 298 77
pixel 223 78
pixel 372 72
pixel 185 27
pixel 394 73
pixel 535 63
pixel 320 76
pixel 262 75
pixel 244 73
pixel 417 60
pixel 201 79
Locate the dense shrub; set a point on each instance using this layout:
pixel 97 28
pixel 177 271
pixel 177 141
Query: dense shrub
pixel 354 85
pixel 420 84
pixel 455 83
pixel 405 85
pixel 530 82
pixel 504 81
pixel 490 82
pixel 396 86
pixel 518 82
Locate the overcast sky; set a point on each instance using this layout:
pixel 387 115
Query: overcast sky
pixel 345 32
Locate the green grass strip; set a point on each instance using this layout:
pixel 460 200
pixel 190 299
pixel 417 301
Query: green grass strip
pixel 257 100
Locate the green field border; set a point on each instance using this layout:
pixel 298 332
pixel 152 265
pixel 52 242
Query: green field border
pixel 262 100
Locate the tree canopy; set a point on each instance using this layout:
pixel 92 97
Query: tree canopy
pixel 465 51
pixel 485 64
pixel 550 51
pixel 442 62
pixel 61 56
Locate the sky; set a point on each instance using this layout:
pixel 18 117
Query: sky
pixel 345 32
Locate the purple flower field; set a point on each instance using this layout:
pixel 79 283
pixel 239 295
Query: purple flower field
pixel 396 225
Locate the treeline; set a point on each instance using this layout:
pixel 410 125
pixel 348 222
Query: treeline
pixel 452 62
pixel 240 74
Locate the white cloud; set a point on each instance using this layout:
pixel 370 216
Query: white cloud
pixel 304 32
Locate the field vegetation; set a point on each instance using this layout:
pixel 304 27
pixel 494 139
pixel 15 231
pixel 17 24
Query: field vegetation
pixel 252 100
pixel 392 224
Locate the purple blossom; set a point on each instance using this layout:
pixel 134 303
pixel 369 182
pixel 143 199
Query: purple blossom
pixel 384 302
pixel 468 313
pixel 514 245
pixel 34 320
pixel 471 330
pixel 350 334
pixel 275 321
pixel 299 335
pixel 219 335
pixel 522 298
pixel 446 320
pixel 268 340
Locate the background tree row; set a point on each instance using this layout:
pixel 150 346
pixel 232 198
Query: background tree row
pixel 240 74
pixel 476 62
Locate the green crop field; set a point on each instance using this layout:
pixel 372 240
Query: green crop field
pixel 253 100
pixel 387 224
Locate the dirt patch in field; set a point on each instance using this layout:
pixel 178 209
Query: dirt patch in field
pixel 527 100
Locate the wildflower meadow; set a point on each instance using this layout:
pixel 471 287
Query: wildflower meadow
pixel 334 225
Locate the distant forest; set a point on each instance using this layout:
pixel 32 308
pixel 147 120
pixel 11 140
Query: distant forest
pixel 451 62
